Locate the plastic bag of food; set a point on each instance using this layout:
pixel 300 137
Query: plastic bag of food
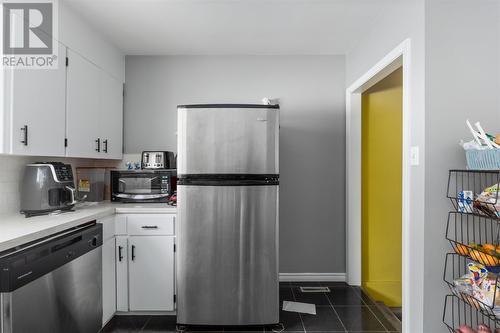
pixel 488 201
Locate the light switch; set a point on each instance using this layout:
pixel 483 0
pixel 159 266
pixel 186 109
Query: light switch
pixel 414 156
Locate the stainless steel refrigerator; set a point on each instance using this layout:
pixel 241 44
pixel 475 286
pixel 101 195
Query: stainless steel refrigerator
pixel 227 197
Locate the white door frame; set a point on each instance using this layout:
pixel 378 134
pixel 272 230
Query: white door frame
pixel 398 57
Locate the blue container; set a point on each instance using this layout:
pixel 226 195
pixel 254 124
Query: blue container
pixel 493 269
pixel 488 159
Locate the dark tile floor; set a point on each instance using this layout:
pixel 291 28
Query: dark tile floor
pixel 343 309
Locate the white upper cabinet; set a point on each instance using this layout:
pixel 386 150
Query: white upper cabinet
pixel 94 111
pixel 35 110
pixel 111 116
pixel 83 107
pixel 80 104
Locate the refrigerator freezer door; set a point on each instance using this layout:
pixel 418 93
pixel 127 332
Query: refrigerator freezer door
pixel 228 140
pixel 227 255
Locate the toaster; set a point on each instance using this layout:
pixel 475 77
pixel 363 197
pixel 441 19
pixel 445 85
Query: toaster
pixel 47 187
pixel 158 160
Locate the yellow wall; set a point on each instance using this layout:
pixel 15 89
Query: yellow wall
pixel 382 189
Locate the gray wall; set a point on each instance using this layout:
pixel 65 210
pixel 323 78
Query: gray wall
pixel 312 136
pixel 455 67
pixel 462 81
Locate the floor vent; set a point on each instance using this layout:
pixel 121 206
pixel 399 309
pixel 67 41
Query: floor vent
pixel 314 289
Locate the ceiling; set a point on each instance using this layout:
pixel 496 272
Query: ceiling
pixel 267 27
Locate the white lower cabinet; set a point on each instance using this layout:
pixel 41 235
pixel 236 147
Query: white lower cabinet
pixel 108 280
pixel 108 268
pixel 151 273
pixel 145 262
pixel 121 273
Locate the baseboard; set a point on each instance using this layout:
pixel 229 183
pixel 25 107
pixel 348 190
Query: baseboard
pixel 333 277
pixel 145 313
pixel 388 292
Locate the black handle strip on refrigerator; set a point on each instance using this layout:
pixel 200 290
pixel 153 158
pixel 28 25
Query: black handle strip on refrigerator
pixel 229 106
pixel 228 179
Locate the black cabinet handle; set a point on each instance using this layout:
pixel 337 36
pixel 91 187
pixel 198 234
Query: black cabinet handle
pixel 149 227
pixel 105 146
pixel 120 255
pixel 24 131
pixel 133 252
pixel 98 145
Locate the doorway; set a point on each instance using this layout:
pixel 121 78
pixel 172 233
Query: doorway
pixel 398 58
pixel 381 192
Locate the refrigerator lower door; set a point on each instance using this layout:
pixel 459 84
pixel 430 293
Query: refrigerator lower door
pixel 228 255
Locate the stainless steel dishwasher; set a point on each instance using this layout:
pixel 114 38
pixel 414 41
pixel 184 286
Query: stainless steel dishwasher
pixel 53 285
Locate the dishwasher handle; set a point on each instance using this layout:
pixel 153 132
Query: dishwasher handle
pixel 66 244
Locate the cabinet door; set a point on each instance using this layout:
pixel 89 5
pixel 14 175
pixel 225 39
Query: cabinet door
pixel 36 107
pixel 83 107
pixel 108 280
pixel 151 273
pixel 121 273
pixel 111 116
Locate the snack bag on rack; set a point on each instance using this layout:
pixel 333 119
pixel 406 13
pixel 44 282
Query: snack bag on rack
pixel 481 284
pixel 488 200
pixel 466 283
pixel 463 285
pixel 485 291
pixel 477 272
pixel 465 201
pixel 484 285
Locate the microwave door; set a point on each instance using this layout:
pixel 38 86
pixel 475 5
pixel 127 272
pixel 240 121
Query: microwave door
pixel 139 185
pixel 142 196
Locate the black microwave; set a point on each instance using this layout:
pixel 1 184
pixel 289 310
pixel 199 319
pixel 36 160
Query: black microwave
pixel 143 185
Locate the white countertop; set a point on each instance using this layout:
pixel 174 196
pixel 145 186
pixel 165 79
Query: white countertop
pixel 15 229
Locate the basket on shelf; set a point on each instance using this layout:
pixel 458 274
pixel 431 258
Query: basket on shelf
pixel 476 237
pixel 487 159
pixel 457 312
pixel 456 268
pixel 473 230
pixel 465 186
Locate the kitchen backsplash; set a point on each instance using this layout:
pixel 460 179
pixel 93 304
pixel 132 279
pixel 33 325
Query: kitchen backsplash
pixel 12 167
